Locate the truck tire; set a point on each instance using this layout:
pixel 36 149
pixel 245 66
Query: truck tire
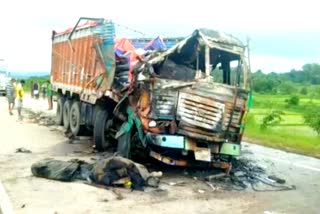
pixel 124 67
pixel 100 129
pixel 66 114
pixel 124 144
pixel 59 112
pixel 75 118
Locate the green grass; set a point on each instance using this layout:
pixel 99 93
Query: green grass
pixel 291 134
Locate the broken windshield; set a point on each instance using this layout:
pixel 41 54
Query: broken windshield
pixel 197 56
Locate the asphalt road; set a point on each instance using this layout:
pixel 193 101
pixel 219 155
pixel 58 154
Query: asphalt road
pixel 28 194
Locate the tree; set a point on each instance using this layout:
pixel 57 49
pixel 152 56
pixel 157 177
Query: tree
pixel 312 118
pixel 287 88
pixel 263 83
pixel 304 91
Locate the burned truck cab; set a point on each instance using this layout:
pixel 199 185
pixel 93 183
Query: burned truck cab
pixel 191 100
pixel 183 104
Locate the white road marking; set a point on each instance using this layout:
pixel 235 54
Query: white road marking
pixel 292 163
pixel 5 204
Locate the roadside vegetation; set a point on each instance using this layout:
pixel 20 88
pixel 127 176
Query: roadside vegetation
pixel 40 80
pixel 286 110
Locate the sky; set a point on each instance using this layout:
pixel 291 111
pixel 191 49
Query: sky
pixel 284 35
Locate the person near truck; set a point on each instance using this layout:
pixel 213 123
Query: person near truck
pixel 11 94
pixel 36 90
pixel 32 88
pixel 44 90
pixel 20 96
pixel 49 95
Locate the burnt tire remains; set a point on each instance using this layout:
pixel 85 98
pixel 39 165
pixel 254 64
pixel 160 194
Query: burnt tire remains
pixel 124 144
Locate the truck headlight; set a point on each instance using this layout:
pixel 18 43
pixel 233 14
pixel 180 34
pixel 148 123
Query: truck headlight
pixel 152 124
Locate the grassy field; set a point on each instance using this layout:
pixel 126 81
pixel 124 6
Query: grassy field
pixel 291 134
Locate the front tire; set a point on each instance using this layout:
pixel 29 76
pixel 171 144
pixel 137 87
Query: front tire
pixel 100 130
pixel 124 144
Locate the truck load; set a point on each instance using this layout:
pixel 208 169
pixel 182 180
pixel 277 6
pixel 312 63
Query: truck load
pixel 182 101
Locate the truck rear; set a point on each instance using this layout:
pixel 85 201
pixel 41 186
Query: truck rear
pixel 181 100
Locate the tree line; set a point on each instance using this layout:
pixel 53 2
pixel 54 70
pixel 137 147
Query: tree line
pixel 286 83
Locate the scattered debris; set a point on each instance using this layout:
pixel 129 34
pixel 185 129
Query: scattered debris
pixel 118 194
pixel 78 139
pixel 244 174
pixel 210 185
pixel 212 177
pixel 201 191
pixel 40 118
pixel 23 150
pixel 182 183
pixel 276 179
pixel 239 173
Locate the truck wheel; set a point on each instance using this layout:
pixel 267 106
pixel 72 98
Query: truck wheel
pixel 124 144
pixel 100 130
pixel 75 118
pixel 66 114
pixel 59 113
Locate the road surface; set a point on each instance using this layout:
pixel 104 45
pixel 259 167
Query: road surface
pixel 23 193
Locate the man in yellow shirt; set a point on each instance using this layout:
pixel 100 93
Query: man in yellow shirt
pixel 20 95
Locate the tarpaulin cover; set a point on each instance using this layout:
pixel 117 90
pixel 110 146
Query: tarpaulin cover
pixel 156 44
pixel 123 47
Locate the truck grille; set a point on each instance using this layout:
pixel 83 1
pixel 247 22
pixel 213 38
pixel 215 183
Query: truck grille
pixel 163 104
pixel 196 111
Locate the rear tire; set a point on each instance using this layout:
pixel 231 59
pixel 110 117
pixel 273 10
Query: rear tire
pixel 75 118
pixel 59 113
pixel 66 114
pixel 100 130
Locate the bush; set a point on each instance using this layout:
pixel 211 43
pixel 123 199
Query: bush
pixel 304 91
pixel 293 100
pixel 312 118
pixel 273 118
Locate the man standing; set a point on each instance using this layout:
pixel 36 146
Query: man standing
pixel 44 90
pixel 11 94
pixel 36 90
pixel 20 95
pixel 32 88
pixel 49 95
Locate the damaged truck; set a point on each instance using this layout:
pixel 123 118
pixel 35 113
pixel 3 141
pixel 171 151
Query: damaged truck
pixel 182 101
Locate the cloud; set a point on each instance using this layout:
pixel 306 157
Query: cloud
pixel 27 25
pixel 279 64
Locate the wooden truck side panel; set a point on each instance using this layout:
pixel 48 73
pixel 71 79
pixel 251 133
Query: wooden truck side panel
pixel 78 62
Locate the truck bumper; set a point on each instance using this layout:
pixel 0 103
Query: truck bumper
pixel 187 144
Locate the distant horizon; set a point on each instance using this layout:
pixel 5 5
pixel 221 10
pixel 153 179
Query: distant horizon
pixel 44 73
